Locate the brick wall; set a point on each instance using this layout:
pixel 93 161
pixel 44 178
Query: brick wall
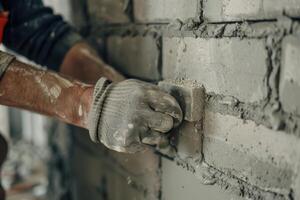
pixel 246 55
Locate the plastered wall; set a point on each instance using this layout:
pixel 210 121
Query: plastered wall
pixel 246 53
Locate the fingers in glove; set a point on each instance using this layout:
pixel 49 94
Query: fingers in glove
pixel 165 103
pixel 155 138
pixel 160 122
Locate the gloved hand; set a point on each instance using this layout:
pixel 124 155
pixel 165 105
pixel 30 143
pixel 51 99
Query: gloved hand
pixel 131 113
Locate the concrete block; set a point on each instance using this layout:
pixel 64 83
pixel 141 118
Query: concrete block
pixel 165 10
pixel 141 163
pixel 190 96
pixel 99 178
pixel 141 169
pixel 130 173
pixel 189 142
pixel 85 184
pixel 107 11
pixel 135 56
pixel 275 8
pixel 238 10
pixel 257 155
pixel 227 66
pixel 178 184
pixel 290 75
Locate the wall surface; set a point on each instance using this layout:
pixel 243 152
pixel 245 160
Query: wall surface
pixel 246 53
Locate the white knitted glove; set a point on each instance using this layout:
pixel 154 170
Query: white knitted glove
pixel 129 114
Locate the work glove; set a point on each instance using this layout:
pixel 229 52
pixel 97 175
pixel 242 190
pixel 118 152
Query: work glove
pixel 127 115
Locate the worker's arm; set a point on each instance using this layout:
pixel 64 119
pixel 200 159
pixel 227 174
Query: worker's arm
pixel 123 116
pixel 82 62
pixel 38 34
pixel 45 92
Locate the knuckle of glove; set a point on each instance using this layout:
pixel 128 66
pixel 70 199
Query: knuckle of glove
pixel 139 92
pixel 160 122
pixel 124 140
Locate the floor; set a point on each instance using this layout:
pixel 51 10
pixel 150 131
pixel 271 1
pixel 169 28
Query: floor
pixel 24 174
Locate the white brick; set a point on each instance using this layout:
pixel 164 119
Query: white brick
pixel 255 154
pixel 290 75
pixel 107 11
pixel 164 10
pixel 274 8
pixel 135 56
pixel 237 10
pixel 228 66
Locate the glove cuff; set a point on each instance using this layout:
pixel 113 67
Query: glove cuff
pixel 99 96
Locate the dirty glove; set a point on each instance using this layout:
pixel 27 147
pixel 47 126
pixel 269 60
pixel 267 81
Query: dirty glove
pixel 128 114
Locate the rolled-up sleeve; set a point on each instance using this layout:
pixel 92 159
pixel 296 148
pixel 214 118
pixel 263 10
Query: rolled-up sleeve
pixel 38 34
pixel 5 60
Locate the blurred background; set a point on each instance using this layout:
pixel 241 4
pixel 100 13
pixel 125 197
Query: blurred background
pixel 25 173
pixel 247 144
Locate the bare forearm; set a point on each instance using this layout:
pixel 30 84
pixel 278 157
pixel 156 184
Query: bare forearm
pixel 49 93
pixel 45 92
pixel 83 63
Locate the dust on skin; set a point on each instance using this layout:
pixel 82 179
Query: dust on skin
pixel 58 84
pixel 53 92
pixel 64 82
pixel 80 111
pixel 27 72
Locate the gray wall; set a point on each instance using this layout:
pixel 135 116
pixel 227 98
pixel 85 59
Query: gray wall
pixel 246 54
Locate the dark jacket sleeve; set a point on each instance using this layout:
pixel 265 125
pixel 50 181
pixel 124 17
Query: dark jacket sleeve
pixel 35 32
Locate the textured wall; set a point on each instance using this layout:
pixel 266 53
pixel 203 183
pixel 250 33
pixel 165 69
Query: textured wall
pixel 246 54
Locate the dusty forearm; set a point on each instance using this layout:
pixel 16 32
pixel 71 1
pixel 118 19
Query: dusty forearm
pixel 45 92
